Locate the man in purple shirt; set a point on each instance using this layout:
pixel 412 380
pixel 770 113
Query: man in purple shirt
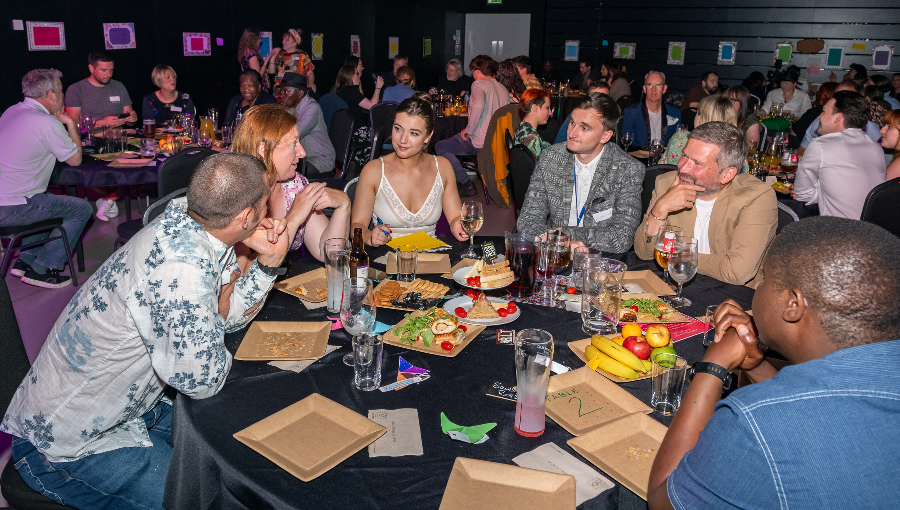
pixel 34 135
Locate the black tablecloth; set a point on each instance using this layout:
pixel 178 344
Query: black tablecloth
pixel 563 106
pixel 95 173
pixel 448 127
pixel 211 469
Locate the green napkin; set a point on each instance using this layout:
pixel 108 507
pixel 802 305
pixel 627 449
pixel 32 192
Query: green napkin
pixel 776 124
pixel 474 434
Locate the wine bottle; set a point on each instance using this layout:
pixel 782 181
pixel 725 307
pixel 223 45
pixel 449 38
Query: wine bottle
pixel 359 260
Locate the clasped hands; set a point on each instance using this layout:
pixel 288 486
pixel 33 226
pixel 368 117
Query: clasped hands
pixel 735 343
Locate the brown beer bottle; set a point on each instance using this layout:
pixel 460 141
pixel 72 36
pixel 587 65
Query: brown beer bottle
pixel 359 261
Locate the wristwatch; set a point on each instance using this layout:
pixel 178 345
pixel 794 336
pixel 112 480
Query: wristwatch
pixel 703 367
pixel 271 271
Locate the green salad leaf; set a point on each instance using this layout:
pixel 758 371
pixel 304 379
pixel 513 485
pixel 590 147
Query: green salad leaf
pixel 646 305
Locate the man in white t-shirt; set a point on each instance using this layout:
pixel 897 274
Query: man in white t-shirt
pixel 34 135
pixel 732 215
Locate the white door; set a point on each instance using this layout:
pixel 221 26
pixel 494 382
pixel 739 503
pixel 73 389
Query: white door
pixel 501 36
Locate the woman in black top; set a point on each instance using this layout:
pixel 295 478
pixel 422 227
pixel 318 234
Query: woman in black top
pixel 167 102
pixel 251 94
pixel 346 86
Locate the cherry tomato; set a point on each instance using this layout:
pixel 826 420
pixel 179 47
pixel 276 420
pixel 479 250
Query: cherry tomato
pixel 472 293
pixel 447 345
pixel 477 281
pixel 571 290
pixel 635 308
pixel 502 312
pixel 471 281
pixel 462 327
pixel 460 312
pixel 511 307
pixel 418 338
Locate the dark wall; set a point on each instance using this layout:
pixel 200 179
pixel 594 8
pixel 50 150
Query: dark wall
pixel 756 27
pixel 212 80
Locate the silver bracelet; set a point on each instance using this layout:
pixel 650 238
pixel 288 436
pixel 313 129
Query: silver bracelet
pixel 650 212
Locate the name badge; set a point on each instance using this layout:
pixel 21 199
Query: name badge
pixel 175 108
pixel 113 99
pixel 603 215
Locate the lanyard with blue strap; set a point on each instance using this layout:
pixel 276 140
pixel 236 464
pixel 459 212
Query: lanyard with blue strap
pixel 584 206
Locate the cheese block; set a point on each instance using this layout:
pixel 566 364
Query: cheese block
pixel 482 309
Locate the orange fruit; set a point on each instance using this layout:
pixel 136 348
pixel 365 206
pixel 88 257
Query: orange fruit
pixel 619 340
pixel 631 330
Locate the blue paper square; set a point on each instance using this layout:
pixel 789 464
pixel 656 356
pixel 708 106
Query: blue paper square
pixel 727 52
pixel 119 36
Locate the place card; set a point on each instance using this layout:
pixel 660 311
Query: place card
pixel 403 436
pixel 589 483
pixel 503 391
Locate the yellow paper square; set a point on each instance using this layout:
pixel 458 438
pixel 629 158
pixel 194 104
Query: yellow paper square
pixel 858 46
pixel 420 240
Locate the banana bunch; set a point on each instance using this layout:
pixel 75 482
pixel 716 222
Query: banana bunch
pixel 607 355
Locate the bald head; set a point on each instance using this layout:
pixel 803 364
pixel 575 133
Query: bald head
pixel 223 186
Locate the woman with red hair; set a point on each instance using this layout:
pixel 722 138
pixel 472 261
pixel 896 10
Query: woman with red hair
pixel 890 139
pixel 534 110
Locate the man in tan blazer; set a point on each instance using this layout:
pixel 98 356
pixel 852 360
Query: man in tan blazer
pixel 732 215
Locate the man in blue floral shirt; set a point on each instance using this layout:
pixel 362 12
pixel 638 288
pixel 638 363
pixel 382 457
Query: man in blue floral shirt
pixel 90 422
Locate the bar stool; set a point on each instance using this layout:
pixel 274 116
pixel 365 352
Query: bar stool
pixel 20 231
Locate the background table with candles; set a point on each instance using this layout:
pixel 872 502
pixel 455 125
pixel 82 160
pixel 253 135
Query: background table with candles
pixel 210 468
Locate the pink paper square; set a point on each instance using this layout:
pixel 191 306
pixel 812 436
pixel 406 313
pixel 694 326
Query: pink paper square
pixel 46 36
pixel 198 44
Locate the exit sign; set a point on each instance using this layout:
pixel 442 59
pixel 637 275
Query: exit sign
pixel 498 2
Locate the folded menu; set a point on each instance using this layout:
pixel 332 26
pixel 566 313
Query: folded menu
pixel 420 240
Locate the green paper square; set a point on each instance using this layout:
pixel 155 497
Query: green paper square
pixel 676 52
pixel 784 53
pixel 623 51
pixel 834 57
pixel 428 46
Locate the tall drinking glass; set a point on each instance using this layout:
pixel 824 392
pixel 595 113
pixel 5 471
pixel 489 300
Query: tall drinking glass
pixel 667 378
pixel 544 265
pixel 337 269
pixel 616 270
pixel 521 252
pixel 581 256
pixel 367 349
pixel 357 310
pixel 601 297
pixel 665 242
pixel 472 220
pixel 656 151
pixel 560 250
pixel 534 354
pixel 683 266
pixel 149 128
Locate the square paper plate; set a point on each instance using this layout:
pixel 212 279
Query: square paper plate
pixel 312 280
pixel 391 338
pixel 480 485
pixel 578 348
pixel 582 400
pixel 624 449
pixel 310 437
pixel 428 263
pixel 271 340
pixel 647 281
pixel 672 318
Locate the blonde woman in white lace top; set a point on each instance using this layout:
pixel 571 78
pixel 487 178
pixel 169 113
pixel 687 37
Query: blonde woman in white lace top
pixel 407 189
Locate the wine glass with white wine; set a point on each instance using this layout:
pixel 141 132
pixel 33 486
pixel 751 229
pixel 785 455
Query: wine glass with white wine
pixel 357 310
pixel 472 220
pixel 683 261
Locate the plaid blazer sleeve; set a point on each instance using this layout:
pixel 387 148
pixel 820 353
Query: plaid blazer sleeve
pixel 546 193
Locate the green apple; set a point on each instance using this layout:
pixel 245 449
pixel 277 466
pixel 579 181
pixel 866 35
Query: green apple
pixel 667 349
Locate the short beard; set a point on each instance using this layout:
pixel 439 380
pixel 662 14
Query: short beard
pixel 710 189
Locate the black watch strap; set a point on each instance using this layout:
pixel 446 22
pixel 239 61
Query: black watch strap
pixel 271 271
pixel 703 367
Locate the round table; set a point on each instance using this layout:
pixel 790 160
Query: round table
pixel 210 468
pixel 94 173
pixel 448 127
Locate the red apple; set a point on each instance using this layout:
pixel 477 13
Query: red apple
pixel 657 335
pixel 638 347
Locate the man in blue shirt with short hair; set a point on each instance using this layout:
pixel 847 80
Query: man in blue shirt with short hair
pixel 821 432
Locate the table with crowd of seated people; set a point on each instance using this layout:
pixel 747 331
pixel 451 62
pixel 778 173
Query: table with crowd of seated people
pixel 210 468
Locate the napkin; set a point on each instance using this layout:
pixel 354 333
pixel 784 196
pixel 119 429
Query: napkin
pixel 380 327
pixel 299 365
pixel 475 434
pixel 420 240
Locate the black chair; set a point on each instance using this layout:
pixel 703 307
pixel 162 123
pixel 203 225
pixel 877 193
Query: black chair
pixel 331 103
pixel 350 188
pixel 14 366
pixel 13 234
pixel 509 140
pixel 650 182
pixel 521 165
pixel 880 207
pixel 174 174
pixel 381 117
pixel 786 216
pixel 341 134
